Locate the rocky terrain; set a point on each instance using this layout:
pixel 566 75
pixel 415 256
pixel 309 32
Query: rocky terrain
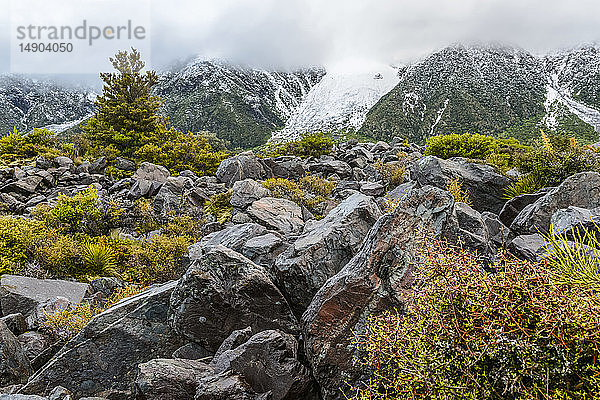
pixel 270 301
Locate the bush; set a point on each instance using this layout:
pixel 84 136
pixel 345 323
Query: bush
pixel 309 145
pixel 16 236
pixel 517 333
pixel 220 207
pixel 475 146
pixel 310 191
pixel 456 190
pixel 17 146
pixel 391 173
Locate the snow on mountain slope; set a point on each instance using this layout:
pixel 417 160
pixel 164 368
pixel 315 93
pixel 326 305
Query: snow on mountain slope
pixel 339 101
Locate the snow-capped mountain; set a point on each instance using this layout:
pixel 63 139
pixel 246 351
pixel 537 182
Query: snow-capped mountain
pixel 29 103
pixel 340 100
pixel 242 105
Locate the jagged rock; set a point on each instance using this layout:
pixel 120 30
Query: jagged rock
pixel 246 192
pixel 280 214
pixel 268 361
pixel 400 192
pixel 14 364
pixel 380 147
pixel 322 251
pixel 472 231
pixel 372 281
pixel 372 189
pixel 192 351
pixel 103 357
pixel 98 166
pixel 15 322
pixel 498 233
pixel 24 187
pixel 19 294
pixel 168 379
pixel 573 219
pixel 226 386
pixel 483 184
pixel 63 162
pixel 152 172
pixel 60 393
pixel 124 164
pixel 287 167
pixel 143 188
pixel 530 247
pixel 39 315
pixel 243 166
pixel 234 237
pixel 33 344
pixel 43 163
pixel 106 285
pixel 21 397
pixel 264 249
pixel 237 338
pixel 174 196
pixel 579 190
pixel 514 206
pixel 223 291
pixel 329 166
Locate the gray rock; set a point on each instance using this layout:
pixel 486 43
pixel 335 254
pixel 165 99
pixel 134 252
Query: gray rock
pixel 106 285
pixel 472 231
pixel 573 221
pixel 192 351
pixel 223 291
pixel 580 190
pixel 483 184
pixel 400 192
pixel 60 393
pixel 152 172
pixel 124 164
pixel 240 167
pixel 14 364
pixel 98 166
pixel 103 357
pixel 226 386
pixel 371 282
pixel 530 247
pixel 280 214
pixel 246 192
pixel 168 379
pixel 233 341
pixel 143 188
pixel 498 233
pixel 33 344
pixel 268 361
pixel 43 163
pixel 329 166
pixel 21 397
pixel 34 201
pixel 264 249
pixel 322 251
pixel 287 167
pixel 514 206
pixel 63 162
pixel 372 189
pixel 19 294
pixel 173 196
pixel 234 237
pixel 15 322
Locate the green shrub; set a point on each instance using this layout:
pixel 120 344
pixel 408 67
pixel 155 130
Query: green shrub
pixel 524 185
pixel 99 259
pixel 310 191
pixel 16 236
pixel 517 333
pixel 456 190
pixel 309 145
pixel 391 173
pixel 17 146
pixel 80 213
pixel 501 152
pixel 219 206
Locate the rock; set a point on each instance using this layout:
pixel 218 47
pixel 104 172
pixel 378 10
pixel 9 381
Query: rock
pixel 112 345
pixel 322 251
pixel 173 196
pixel 380 147
pixel 60 393
pixel 14 364
pixel 168 379
pixel 152 172
pixel 233 341
pixel 34 201
pixel 483 184
pixel 143 188
pixel 19 294
pixel 43 163
pixel 226 386
pixel 400 192
pixel 192 351
pixel 223 291
pixel 371 282
pixel 514 206
pixel 98 166
pixel 579 190
pixel 530 247
pixel 63 162
pixel 21 397
pixel 264 249
pixel 15 322
pixel 243 166
pixel 33 344
pixel 246 192
pixel 472 231
pixel 234 237
pixel 570 221
pixel 124 164
pixel 329 166
pixel 372 189
pixel 106 285
pixel 280 214
pixel 498 233
pixel 23 188
pixel 39 316
pixel 287 167
pixel 268 361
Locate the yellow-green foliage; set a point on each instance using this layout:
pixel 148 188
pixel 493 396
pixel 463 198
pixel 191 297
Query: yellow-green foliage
pixel 146 219
pixel 284 188
pixel 219 206
pixel 391 173
pixel 15 238
pixel 317 185
pixel 470 334
pixel 181 151
pixel 310 191
pixel 460 195
pixel 17 146
pixel 309 145
pixel 526 184
pixel 67 322
pixel 99 259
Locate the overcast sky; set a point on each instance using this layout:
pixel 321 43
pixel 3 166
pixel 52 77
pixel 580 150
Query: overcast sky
pixel 350 33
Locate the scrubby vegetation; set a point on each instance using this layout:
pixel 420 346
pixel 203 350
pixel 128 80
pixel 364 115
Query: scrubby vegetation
pixel 20 147
pixel 308 145
pixel 522 331
pixel 460 195
pixel 310 191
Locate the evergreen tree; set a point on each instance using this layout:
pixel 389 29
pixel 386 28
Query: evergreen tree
pixel 127 113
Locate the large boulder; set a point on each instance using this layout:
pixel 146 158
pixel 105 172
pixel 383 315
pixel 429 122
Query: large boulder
pixel 573 220
pixel 514 206
pixel 176 196
pixel 168 379
pixel 484 185
pixel 223 291
pixel 19 294
pixel 287 167
pixel 579 190
pixel 226 386
pixel 101 360
pixel 324 249
pixel 151 172
pixel 371 282
pixel 246 192
pixel 243 166
pixel 14 365
pixel 268 361
pixel 282 215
